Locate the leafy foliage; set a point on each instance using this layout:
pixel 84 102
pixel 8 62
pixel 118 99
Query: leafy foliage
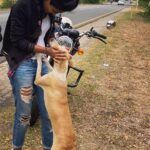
pixel 146 5
pixel 7 3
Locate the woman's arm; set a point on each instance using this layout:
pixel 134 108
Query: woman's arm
pixel 19 20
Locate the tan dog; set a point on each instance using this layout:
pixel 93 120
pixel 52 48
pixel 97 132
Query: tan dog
pixel 54 85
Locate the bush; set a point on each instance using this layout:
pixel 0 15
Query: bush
pixel 7 3
pixel 144 3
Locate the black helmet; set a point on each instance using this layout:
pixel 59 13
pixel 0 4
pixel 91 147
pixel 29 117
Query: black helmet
pixel 65 5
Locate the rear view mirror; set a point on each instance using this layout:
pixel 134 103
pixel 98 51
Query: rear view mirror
pixel 110 24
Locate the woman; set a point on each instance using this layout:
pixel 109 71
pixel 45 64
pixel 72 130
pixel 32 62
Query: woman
pixel 28 29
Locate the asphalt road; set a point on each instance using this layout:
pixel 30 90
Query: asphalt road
pixel 81 14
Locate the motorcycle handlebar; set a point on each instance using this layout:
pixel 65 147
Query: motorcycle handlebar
pixel 98 35
pixel 75 34
pixel 72 33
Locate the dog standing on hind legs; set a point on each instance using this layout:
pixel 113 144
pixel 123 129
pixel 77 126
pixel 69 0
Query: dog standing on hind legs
pixel 54 85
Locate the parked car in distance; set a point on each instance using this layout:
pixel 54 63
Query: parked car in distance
pixel 121 2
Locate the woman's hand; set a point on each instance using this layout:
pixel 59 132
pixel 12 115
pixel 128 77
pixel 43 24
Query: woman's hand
pixel 57 53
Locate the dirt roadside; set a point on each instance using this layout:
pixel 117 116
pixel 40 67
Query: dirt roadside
pixel 111 107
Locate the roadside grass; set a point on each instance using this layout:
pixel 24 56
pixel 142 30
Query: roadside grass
pixel 145 16
pixel 111 105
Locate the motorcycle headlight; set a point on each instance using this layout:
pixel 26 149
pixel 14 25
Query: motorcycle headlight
pixel 66 42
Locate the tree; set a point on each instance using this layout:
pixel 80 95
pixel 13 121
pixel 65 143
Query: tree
pixel 7 3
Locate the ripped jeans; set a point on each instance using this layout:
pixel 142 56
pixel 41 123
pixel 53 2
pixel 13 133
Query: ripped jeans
pixel 23 87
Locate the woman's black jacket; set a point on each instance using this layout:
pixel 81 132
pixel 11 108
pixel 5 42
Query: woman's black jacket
pixel 22 31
